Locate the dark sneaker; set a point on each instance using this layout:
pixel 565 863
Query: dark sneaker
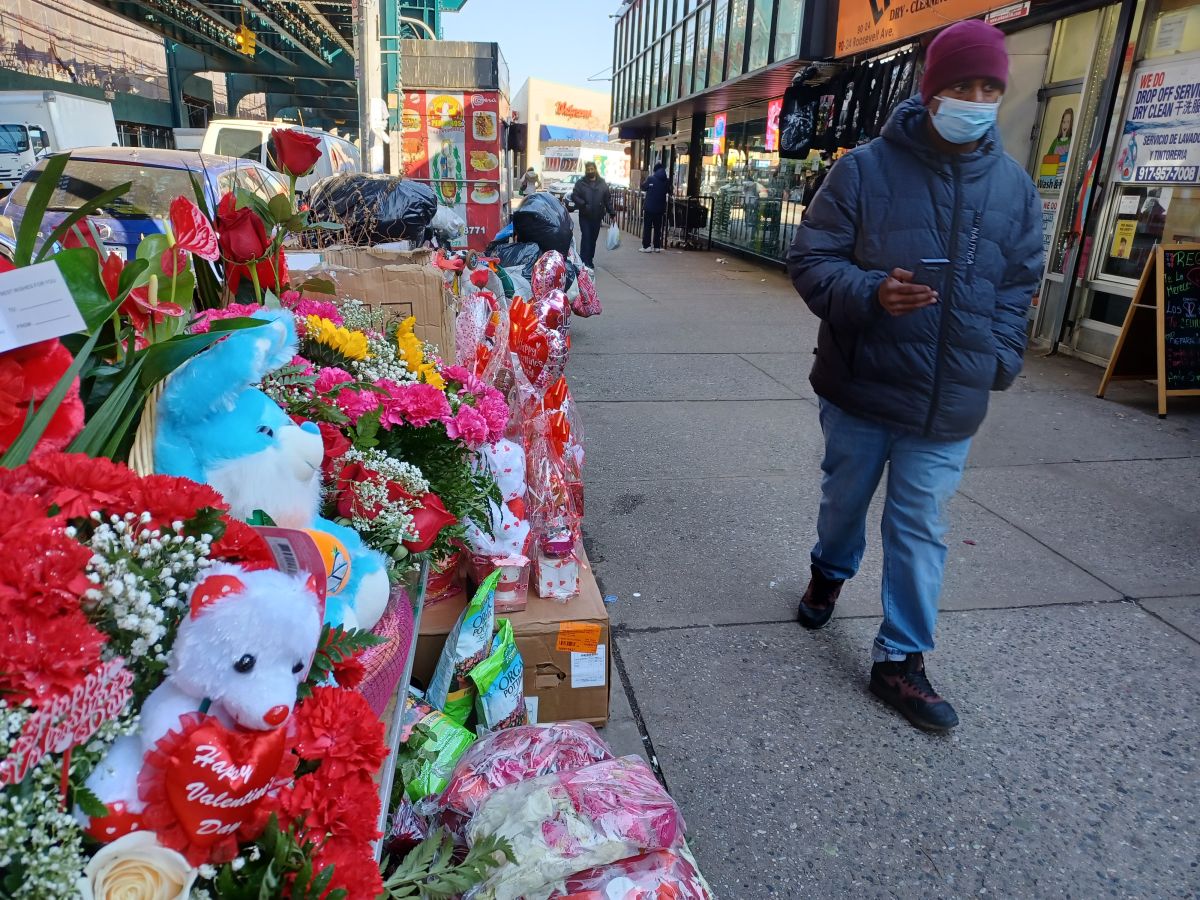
pixel 816 606
pixel 904 687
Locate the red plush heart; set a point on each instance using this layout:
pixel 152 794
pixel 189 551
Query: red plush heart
pixel 203 786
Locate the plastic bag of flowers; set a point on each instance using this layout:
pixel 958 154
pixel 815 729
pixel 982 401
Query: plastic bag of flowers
pixel 512 756
pixel 564 823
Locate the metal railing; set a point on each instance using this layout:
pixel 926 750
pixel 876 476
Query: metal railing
pixel 760 227
pixel 688 224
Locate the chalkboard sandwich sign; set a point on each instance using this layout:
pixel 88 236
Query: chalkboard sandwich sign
pixel 1160 340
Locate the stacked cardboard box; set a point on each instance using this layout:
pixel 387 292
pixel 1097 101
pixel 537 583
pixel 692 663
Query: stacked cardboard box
pixel 403 282
pixel 565 647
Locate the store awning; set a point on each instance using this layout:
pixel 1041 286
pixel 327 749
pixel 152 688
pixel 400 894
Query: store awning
pixel 559 133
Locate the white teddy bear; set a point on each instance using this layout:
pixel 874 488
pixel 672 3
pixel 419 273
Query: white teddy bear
pixel 220 664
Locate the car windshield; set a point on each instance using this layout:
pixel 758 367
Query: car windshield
pixel 152 188
pixel 13 138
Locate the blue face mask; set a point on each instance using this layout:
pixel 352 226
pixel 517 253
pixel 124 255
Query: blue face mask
pixel 964 122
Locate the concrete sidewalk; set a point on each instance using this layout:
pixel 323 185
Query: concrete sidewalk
pixel 1068 643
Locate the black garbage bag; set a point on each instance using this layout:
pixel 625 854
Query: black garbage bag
pixel 373 208
pixel 521 256
pixel 543 220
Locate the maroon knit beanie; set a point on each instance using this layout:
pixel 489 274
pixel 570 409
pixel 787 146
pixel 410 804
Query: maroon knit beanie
pixel 970 49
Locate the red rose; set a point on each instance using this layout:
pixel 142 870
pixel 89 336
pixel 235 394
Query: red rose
pixel 429 520
pixel 336 445
pixel 295 152
pixel 348 504
pixel 193 232
pixel 242 236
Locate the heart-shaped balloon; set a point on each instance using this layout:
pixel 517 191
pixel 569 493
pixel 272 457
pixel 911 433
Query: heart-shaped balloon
pixel 586 303
pixel 553 310
pixel 541 351
pixel 203 786
pixel 549 274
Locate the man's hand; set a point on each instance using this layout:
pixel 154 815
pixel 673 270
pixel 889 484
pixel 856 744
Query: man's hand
pixel 899 296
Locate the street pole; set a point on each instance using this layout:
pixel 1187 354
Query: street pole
pixel 368 74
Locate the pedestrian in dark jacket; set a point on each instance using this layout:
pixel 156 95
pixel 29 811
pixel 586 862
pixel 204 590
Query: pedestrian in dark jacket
pixel 593 200
pixel 654 208
pixel 920 254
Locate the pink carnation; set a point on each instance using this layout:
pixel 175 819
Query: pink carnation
pixel 464 377
pixel 357 404
pixel 414 404
pixel 205 319
pixel 495 411
pixel 306 306
pixel 302 364
pixel 469 426
pixel 331 378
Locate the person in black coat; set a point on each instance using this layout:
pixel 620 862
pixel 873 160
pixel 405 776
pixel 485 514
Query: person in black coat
pixel 654 210
pixel 594 202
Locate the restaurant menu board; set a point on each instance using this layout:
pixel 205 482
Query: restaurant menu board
pixel 1181 318
pixel 452 142
pixel 1160 340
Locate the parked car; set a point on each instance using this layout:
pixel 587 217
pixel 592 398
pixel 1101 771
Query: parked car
pixel 563 188
pixel 157 178
pixel 249 139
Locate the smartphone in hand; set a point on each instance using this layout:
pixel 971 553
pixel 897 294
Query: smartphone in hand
pixel 932 273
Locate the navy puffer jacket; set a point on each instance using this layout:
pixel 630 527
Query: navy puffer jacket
pixel 889 205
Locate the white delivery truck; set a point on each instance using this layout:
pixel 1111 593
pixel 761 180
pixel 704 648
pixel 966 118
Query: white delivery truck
pixel 33 123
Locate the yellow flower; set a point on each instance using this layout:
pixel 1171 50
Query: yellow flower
pixel 351 344
pixel 430 375
pixel 412 351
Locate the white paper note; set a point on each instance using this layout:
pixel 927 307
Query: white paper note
pixel 589 669
pixel 531 707
pixel 35 305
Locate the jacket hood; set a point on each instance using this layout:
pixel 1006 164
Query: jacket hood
pixel 908 126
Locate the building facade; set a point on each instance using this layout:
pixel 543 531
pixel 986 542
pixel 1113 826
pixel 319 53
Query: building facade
pixel 709 88
pixel 562 127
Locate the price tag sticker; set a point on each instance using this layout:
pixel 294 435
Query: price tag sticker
pixel 35 305
pixel 578 637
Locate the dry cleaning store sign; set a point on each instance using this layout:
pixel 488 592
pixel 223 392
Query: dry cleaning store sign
pixel 1160 143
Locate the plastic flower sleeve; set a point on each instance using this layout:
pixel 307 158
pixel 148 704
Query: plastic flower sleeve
pixel 658 875
pixel 511 757
pixel 568 822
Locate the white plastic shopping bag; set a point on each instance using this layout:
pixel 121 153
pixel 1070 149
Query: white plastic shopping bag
pixel 614 237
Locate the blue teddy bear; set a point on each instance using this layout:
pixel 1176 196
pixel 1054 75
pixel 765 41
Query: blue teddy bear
pixel 214 426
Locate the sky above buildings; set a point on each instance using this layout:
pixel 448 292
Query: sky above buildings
pixel 567 41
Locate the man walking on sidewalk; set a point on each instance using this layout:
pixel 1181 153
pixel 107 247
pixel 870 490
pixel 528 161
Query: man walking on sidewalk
pixel 920 255
pixel 594 202
pixel 654 208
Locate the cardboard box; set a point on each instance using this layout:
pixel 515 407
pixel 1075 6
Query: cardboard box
pixel 402 282
pixel 560 684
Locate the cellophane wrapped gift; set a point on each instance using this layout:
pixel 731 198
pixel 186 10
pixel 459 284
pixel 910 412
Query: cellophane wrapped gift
pixel 556 575
pixel 568 822
pixel 512 590
pixel 511 757
pixel 658 875
pixel 406 830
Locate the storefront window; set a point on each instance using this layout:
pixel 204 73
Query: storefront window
pixel 676 58
pixel 737 37
pixel 787 28
pixel 699 77
pixel 689 46
pixel 760 35
pixel 716 60
pixel 1176 29
pixel 1075 38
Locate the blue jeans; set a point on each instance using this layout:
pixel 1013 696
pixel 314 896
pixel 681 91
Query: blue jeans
pixel 922 477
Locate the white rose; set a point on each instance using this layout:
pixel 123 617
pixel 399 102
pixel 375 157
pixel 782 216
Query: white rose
pixel 137 867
